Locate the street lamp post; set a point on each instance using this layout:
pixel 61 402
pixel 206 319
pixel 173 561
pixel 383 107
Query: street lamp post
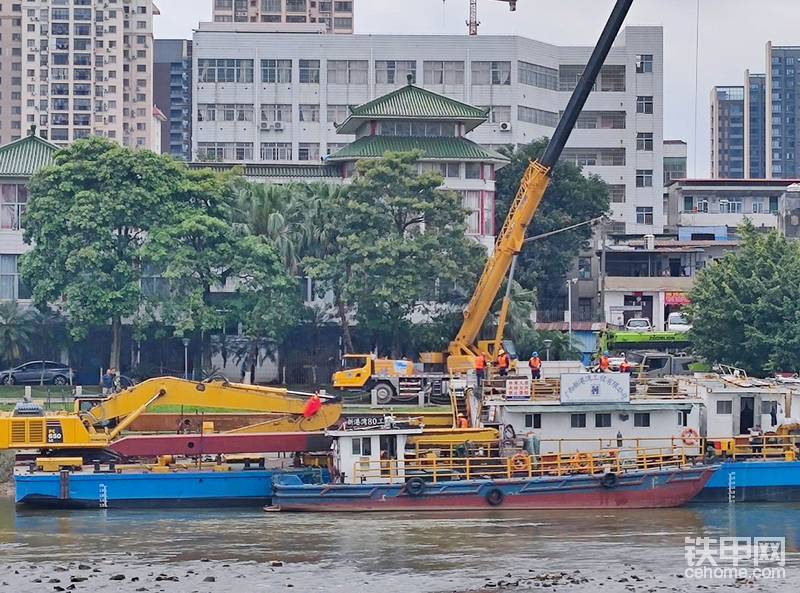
pixel 185 358
pixel 547 344
pixel 569 307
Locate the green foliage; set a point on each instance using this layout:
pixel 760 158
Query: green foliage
pixel 560 349
pixel 745 309
pixel 399 248
pixel 571 198
pixel 17 329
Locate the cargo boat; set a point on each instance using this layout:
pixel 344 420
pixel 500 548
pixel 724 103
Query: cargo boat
pixel 143 488
pixel 376 473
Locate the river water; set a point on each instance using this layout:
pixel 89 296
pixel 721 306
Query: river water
pixel 245 551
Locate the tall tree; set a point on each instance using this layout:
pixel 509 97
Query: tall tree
pixel 88 217
pixel 400 246
pixel 571 198
pixel 745 308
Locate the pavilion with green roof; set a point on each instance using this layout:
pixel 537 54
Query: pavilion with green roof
pixel 412 118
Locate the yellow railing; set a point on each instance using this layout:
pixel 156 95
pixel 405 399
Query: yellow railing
pixel 520 465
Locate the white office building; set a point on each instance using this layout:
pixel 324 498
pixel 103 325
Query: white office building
pixel 276 97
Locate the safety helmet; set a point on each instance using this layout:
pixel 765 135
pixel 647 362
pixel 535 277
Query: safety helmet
pixel 605 353
pixel 535 354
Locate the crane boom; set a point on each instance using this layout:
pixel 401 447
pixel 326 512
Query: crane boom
pixel 532 187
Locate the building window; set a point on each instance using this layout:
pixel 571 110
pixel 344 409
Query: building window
pixel 211 70
pixel 577 420
pixel 417 129
pixel 644 104
pixel 309 71
pixel 616 194
pixel 601 120
pixel 611 79
pixel 773 204
pixel 641 419
pixel 471 201
pixel 644 141
pixel 276 151
pixel 308 152
pixel 731 206
pixel 224 112
pixel 644 63
pixel 540 117
pixel 688 203
pixel 11 286
pixel 644 215
pixel 334 147
pixel 272 113
pixel 585 268
pixel 338 113
pixel 602 420
pixel 499 113
pixel 225 151
pixel 533 420
pixel 724 406
pixel 491 73
pixel 309 112
pixel 443 72
pixel 644 178
pixel 472 170
pixel 276 71
pixel 13 201
pixel 538 76
pixel 395 71
pixel 683 418
pixel 347 71
pixel 591 157
pixel 758 206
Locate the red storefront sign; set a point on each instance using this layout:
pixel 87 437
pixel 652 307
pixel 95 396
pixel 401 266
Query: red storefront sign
pixel 676 298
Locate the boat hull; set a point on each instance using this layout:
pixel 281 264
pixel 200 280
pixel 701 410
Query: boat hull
pixel 753 481
pixel 89 490
pixel 641 489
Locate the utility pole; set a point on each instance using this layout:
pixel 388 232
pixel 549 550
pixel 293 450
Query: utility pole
pixel 603 271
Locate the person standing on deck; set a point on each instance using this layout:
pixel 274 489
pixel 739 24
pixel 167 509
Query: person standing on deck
pixel 604 363
pixel 503 362
pixel 108 381
pixel 536 366
pixel 462 421
pixel 480 369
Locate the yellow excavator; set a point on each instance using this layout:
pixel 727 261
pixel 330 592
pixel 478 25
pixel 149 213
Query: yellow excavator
pixel 96 423
pixel 367 372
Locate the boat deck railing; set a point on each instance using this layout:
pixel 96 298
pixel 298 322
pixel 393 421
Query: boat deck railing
pixel 521 465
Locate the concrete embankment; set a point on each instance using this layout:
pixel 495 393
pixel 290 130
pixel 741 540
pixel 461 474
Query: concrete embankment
pixel 6 473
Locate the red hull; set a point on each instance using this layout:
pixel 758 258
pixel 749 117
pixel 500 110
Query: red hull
pixel 649 494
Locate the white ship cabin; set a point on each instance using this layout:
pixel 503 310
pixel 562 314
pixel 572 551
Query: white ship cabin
pixel 371 455
pixel 735 404
pixel 589 411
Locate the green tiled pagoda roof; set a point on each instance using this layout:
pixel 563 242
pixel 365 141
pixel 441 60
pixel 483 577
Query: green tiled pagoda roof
pixel 442 148
pixel 276 170
pixel 412 102
pixel 26 156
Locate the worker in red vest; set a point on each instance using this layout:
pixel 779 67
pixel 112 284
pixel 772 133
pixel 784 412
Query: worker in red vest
pixel 313 405
pixel 625 366
pixel 536 366
pixel 462 421
pixel 480 368
pixel 503 362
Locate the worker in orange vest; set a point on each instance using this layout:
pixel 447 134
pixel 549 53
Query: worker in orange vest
pixel 462 421
pixel 503 362
pixel 604 363
pixel 480 368
pixel 536 366
pixel 625 366
pixel 313 405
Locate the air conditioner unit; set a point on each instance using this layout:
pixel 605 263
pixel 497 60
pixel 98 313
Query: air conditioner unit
pixel 265 125
pixel 505 126
pixel 277 126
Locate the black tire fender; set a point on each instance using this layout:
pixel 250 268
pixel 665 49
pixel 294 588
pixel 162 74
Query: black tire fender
pixel 609 480
pixel 415 487
pixel 495 497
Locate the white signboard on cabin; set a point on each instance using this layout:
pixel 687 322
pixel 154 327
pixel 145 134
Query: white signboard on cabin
pixel 583 388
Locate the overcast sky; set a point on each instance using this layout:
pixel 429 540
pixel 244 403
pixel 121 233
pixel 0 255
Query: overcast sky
pixel 733 35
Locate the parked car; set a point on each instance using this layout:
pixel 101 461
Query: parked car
pixel 37 371
pixel 638 324
pixel 677 322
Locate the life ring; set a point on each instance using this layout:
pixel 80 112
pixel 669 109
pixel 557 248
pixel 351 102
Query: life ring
pixel 581 460
pixel 609 480
pixel 495 497
pixel 689 437
pixel 415 486
pixel 519 462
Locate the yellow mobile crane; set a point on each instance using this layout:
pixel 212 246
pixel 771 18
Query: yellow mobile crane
pixel 362 371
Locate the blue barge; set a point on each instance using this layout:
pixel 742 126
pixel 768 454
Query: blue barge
pixel 140 489
pixel 753 481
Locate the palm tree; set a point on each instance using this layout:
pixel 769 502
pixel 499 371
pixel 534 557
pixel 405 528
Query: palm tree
pixel 17 329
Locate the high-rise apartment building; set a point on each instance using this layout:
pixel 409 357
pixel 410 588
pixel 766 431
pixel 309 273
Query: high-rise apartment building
pixel 263 97
pixel 77 68
pixel 755 128
pixel 782 110
pixel 727 132
pixel 172 90
pixel 337 16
